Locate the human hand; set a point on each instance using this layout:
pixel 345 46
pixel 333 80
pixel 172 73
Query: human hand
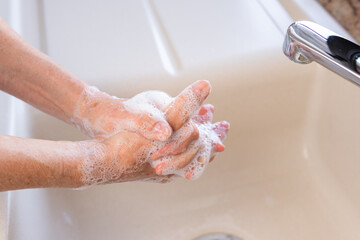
pixel 199 152
pixel 147 114
pixel 128 156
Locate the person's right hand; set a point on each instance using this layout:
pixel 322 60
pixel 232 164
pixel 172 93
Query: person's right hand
pixel 128 156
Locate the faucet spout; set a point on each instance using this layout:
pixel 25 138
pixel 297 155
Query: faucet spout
pixel 307 41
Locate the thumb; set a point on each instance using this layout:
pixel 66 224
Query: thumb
pixel 155 128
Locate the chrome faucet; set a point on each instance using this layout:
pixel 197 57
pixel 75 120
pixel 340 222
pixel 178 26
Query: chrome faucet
pixel 307 41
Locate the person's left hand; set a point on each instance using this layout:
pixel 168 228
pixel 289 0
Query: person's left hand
pixel 99 114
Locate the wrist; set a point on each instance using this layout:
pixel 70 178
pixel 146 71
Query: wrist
pixel 69 166
pixel 93 165
pixel 92 111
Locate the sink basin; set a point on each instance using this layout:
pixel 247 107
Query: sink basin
pixel 291 166
pixel 291 162
pixel 5 119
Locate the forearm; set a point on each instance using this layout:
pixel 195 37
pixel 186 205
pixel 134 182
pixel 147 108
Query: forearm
pixel 32 163
pixel 33 77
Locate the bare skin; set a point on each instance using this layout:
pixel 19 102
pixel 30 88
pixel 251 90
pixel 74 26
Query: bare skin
pixel 139 169
pixel 29 163
pixel 32 163
pixel 107 114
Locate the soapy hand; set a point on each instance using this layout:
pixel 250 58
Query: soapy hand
pixel 199 153
pixel 150 114
pixel 128 156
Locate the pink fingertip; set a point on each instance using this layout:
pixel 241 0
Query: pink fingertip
pixel 202 85
pixel 206 108
pixel 202 110
pixel 210 107
pixel 219 147
pixel 162 130
pixel 159 168
pixel 205 114
pixel 225 125
pixel 221 129
pixel 188 174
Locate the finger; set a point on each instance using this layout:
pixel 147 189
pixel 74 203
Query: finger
pixel 145 115
pixel 190 172
pixel 205 114
pixel 218 147
pixel 202 160
pixel 180 141
pixel 185 105
pixel 177 162
pixel 153 128
pixel 221 129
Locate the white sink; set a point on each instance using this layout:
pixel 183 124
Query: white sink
pixel 291 166
pixel 5 125
pixel 5 120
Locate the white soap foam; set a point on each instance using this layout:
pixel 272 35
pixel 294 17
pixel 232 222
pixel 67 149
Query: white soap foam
pixel 203 146
pixel 88 97
pixel 150 103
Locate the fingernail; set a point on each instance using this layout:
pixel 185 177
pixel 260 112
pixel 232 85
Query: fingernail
pixel 226 125
pixel 159 168
pixel 163 130
pixel 202 84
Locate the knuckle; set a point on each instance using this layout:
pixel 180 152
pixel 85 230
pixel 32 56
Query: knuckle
pixel 145 120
